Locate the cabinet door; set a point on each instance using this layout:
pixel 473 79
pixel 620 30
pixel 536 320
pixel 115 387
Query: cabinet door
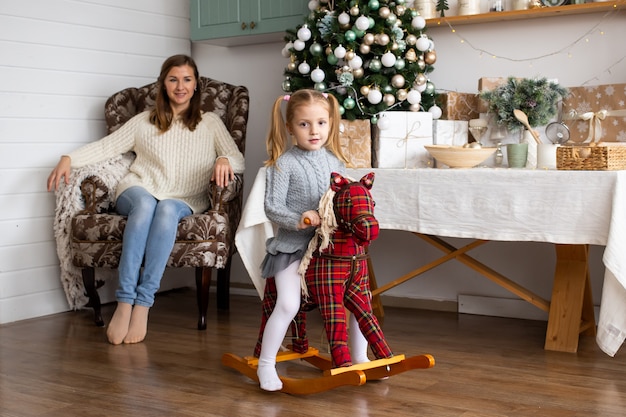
pixel 216 19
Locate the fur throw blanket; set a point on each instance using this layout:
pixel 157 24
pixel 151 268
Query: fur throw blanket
pixel 69 201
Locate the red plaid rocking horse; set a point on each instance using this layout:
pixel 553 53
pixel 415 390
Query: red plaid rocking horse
pixel 335 278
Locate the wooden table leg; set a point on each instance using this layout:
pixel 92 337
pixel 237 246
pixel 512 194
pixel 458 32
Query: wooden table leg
pixel 571 306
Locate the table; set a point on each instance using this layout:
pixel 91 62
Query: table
pixel 571 209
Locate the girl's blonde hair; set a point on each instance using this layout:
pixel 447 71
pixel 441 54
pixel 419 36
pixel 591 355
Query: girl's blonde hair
pixel 278 137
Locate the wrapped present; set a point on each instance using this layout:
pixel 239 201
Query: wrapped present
pixel 400 144
pixel 355 137
pixel 486 84
pixel 458 106
pixel 596 113
pixel 450 132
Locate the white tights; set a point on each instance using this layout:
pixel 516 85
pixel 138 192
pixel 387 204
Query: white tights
pixel 288 295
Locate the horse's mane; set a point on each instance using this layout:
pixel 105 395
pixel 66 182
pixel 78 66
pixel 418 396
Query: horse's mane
pixel 322 235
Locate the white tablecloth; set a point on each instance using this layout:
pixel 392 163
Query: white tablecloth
pixel 569 207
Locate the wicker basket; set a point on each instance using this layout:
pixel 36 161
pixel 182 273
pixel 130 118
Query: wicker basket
pixel 591 158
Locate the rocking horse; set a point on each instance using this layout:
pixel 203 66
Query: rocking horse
pixel 335 278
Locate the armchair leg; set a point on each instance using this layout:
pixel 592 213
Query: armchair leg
pixel 223 286
pixel 89 281
pixel 203 285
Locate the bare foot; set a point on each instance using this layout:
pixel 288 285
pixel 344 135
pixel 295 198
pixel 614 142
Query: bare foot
pixel 118 328
pixel 138 325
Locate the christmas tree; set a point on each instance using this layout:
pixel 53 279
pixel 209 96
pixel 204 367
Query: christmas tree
pixel 373 55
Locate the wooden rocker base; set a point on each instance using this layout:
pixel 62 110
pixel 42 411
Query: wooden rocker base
pixel 332 377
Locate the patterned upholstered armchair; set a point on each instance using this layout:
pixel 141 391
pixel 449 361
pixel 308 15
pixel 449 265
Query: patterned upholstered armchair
pixel 204 241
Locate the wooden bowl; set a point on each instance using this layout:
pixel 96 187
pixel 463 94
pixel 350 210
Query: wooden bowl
pixel 458 156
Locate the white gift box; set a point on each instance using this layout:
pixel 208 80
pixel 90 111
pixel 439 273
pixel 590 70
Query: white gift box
pixel 450 132
pixel 401 143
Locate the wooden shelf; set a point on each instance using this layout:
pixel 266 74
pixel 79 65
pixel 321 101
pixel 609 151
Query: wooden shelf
pixel 571 9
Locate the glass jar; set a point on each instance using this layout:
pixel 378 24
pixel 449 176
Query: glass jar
pixel 467 7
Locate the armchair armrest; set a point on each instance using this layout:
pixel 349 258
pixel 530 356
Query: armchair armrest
pixel 221 196
pixel 97 196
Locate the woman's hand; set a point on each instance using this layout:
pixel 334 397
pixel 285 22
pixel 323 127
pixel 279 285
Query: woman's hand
pixel 309 218
pixel 62 170
pixel 222 172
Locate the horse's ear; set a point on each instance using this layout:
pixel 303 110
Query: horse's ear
pixel 368 180
pixel 337 181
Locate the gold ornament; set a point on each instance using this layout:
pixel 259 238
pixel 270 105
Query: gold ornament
pixel 292 66
pixel 398 81
pixel 365 90
pixel 394 46
pixel 421 64
pixel 349 55
pixel 414 107
pixel 402 94
pixel 410 55
pixel 382 39
pixel 328 50
pixel 420 79
pixel 400 9
pixel 354 11
pixel 364 49
pixel 389 99
pixel 430 57
pixel 384 12
pixel 368 38
pixel 358 73
pixel 411 39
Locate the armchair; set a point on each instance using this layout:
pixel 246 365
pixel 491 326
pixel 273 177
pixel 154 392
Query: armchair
pixel 204 241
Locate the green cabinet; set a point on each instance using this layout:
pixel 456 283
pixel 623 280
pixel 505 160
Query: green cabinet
pixel 231 22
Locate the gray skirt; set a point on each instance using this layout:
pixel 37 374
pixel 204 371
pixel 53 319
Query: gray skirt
pixel 275 263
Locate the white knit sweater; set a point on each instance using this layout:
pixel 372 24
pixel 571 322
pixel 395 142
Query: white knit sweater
pixel 175 164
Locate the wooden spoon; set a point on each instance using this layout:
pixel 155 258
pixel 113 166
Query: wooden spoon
pixel 521 116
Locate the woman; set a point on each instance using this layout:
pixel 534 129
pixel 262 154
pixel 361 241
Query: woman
pixel 177 147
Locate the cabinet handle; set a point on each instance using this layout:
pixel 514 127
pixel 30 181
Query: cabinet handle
pixel 243 26
pixel 252 25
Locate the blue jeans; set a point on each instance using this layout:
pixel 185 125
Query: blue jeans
pixel 148 238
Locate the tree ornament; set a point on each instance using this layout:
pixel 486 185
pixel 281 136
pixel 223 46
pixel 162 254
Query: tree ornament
pixel 383 123
pixel 411 39
pixel 384 12
pixel 414 97
pixel 400 64
pixel 343 18
pixel 421 64
pixel 414 107
pixel 430 57
pixel 358 72
pixel 375 65
pixel 349 55
pixel 400 10
pixel 364 49
pixel 411 55
pixel 398 81
pixel 402 94
pixel 320 86
pixel 356 62
pixel 365 90
pixel 286 85
pixel 420 79
pixel 374 120
pixel 422 43
pixel 355 11
pixel 349 35
pixel 314 5
pixel 298 45
pixel 318 75
pixel 285 52
pixel 373 4
pixel 340 52
pixel 430 88
pixel 374 96
pixel 332 59
pixel 418 22
pixel 362 23
pixel 383 39
pixel 388 59
pixel 349 103
pixel 304 33
pixel 304 68
pixel 435 111
pixel 316 49
pixel 292 66
pixel 387 89
pixel 392 19
pixel 389 99
pixel 368 39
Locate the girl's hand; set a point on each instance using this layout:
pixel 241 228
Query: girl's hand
pixel 309 218
pixel 62 170
pixel 222 172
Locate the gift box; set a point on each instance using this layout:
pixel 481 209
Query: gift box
pixel 355 138
pixel 450 132
pixel 400 139
pixel 596 113
pixel 486 84
pixel 458 106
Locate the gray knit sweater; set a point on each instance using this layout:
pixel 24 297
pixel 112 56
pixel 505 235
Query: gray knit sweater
pixel 295 185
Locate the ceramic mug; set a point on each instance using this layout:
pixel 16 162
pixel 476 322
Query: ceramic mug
pixel 546 155
pixel 516 154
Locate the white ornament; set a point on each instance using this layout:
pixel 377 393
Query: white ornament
pixel 374 96
pixel 314 5
pixel 383 123
pixel 420 87
pixel 343 18
pixel 362 23
pixel 422 44
pixel 317 75
pixel 356 62
pixel 435 111
pixel 414 97
pixel 304 33
pixel 298 45
pixel 304 68
pixel 418 22
pixel 340 52
pixel 388 59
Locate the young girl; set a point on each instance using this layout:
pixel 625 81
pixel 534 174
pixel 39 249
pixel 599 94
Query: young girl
pixel 296 179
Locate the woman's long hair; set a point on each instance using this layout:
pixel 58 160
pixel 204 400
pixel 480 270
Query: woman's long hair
pixel 161 115
pixel 277 138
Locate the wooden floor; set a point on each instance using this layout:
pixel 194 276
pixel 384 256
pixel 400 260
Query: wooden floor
pixel 61 365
